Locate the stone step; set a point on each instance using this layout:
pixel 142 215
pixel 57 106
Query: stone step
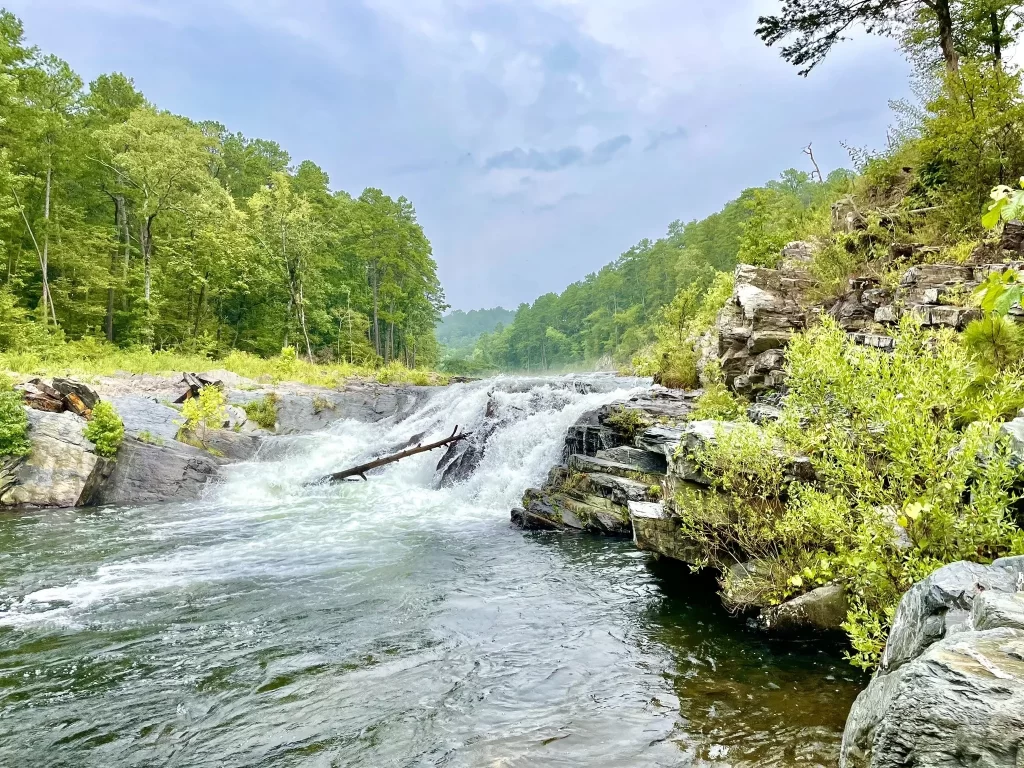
pixel 580 512
pixel 620 490
pixel 589 464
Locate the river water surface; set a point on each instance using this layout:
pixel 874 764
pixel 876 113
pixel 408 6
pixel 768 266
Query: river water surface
pixel 387 623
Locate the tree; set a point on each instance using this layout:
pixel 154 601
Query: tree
pixel 160 162
pixel 817 25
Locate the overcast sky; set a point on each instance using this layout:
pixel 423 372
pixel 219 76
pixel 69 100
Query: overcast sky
pixel 538 139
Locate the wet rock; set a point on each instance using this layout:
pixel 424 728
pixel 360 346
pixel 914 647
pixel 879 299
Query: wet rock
pixel 1012 238
pixel 62 470
pixel 231 445
pixel 562 511
pixel 150 474
pixel 314 410
pixel 145 416
pixel 589 435
pixel 824 608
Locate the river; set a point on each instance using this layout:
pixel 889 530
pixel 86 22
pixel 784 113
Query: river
pixel 387 623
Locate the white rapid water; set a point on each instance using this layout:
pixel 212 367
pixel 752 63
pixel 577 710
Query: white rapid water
pixel 271 516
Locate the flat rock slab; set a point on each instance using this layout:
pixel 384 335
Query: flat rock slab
pixel 637 458
pixel 142 414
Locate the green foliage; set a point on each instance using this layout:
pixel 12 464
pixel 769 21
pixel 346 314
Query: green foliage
pixel 1000 291
pixel 629 421
pixel 150 229
pixel 13 422
pixel 996 341
pixel 205 411
pixel 105 429
pixel 893 439
pixel 145 436
pixel 1007 204
pixel 718 403
pixel 263 411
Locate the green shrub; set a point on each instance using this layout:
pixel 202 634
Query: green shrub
pixel 13 422
pixel 263 411
pixel 105 429
pixel 996 341
pixel 203 412
pixel 717 402
pixel 894 440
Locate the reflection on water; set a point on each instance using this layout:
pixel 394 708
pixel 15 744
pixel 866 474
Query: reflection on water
pixel 385 624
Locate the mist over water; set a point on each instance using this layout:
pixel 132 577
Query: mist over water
pixel 387 623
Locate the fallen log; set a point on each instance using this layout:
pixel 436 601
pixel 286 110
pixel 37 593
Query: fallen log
pixel 362 469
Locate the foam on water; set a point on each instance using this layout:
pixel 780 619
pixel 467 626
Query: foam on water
pixel 270 519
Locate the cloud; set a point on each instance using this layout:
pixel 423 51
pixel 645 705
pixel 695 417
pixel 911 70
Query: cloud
pixel 535 160
pixel 558 159
pixel 665 137
pixel 606 150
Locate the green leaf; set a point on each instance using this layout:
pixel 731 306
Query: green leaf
pixel 991 218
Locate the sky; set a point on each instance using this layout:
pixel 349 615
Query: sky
pixel 538 139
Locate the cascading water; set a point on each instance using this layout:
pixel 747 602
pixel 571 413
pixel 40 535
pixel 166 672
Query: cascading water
pixel 396 622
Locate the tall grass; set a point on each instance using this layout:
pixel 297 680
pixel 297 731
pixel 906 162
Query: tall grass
pixel 88 358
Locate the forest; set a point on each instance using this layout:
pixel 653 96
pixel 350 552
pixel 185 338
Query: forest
pixel 124 226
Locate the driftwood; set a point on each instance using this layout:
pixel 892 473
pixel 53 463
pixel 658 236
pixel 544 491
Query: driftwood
pixel 195 384
pixel 362 469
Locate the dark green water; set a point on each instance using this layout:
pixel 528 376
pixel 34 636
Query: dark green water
pixel 383 624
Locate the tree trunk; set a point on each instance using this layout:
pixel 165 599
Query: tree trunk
pixel 997 38
pixel 146 244
pixel 945 19
pixel 376 324
pixel 302 323
pixel 44 259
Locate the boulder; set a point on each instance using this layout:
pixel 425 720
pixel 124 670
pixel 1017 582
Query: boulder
pixel 578 512
pixel 998 609
pixel 62 470
pixel 661 440
pixel 69 388
pixel 151 474
pixel 824 608
pixel 941 604
pixel 1013 431
pixel 231 445
pixel 582 463
pixel 960 704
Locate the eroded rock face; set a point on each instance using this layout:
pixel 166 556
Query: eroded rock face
pixel 62 470
pixel 950 691
pixel 145 416
pixel 767 307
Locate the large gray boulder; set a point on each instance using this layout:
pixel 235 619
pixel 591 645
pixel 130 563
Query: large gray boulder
pixel 950 691
pixel 941 603
pixel 960 704
pixel 150 474
pixel 62 470
pixel 306 410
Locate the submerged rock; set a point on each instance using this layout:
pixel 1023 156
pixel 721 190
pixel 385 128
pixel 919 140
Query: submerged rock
pixel 824 608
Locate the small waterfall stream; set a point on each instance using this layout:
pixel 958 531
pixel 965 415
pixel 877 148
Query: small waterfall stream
pixel 397 622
